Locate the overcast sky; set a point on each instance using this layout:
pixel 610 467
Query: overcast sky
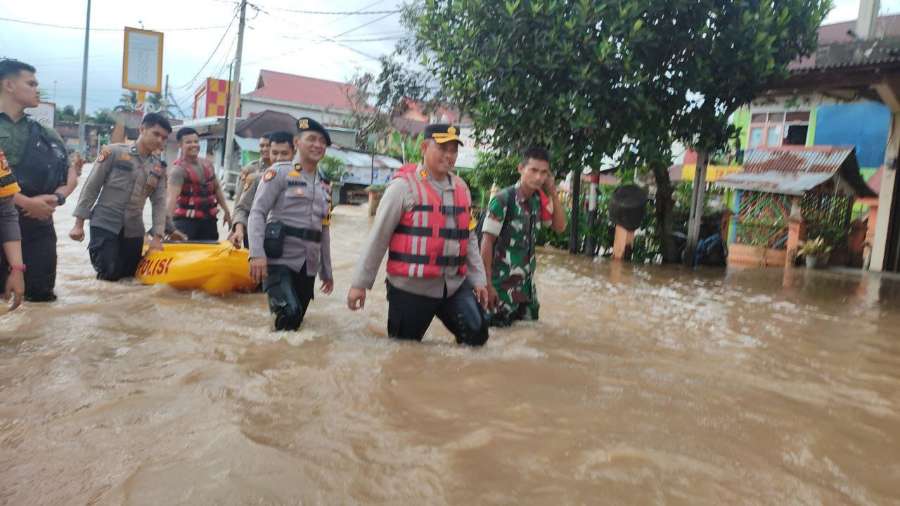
pixel 276 39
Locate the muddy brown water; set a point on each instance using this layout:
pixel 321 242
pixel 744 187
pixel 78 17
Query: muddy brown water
pixel 640 385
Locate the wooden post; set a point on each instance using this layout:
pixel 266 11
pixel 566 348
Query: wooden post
pixel 796 232
pixel 697 198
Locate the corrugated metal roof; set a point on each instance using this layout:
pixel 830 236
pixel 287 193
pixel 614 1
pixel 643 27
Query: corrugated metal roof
pixel 796 159
pixel 794 170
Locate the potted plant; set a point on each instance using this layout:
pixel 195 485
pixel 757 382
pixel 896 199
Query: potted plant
pixel 815 252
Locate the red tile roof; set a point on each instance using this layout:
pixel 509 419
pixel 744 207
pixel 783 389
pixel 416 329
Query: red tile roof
pixel 303 90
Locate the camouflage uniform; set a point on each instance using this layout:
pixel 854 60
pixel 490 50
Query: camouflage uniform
pixel 515 222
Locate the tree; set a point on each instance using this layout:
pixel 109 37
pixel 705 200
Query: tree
pixel 104 117
pixel 585 77
pixel 67 113
pixel 154 102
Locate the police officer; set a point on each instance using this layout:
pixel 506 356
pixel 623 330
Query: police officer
pixel 280 150
pixel 434 267
pixel 37 156
pixel 113 198
pixel 251 170
pixel 12 269
pixel 289 232
pixel 194 192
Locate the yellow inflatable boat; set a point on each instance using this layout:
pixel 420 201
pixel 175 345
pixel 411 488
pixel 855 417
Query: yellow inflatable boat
pixel 215 268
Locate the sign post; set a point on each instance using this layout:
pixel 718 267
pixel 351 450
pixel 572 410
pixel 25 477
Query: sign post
pixel 142 62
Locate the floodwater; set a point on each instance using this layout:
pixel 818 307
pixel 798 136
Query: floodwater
pixel 640 385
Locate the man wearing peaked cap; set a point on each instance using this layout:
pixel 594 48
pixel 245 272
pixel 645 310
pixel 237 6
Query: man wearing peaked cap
pixel 311 125
pixel 434 266
pixel 288 227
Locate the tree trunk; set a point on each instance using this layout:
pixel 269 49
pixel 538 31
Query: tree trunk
pixel 664 213
pixel 574 237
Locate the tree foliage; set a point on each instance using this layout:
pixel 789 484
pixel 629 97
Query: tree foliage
pixel 586 77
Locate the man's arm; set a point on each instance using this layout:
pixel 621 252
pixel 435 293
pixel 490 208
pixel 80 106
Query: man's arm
pixel 487 253
pixel 220 196
pixel 387 218
pixel 91 189
pixel 266 197
pixel 158 201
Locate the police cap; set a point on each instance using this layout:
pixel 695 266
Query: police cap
pixel 306 124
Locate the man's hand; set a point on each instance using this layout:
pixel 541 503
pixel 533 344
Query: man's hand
pixel 15 289
pixel 550 185
pixel 155 243
pixel 481 295
pixel 77 162
pixel 327 286
pixel 77 233
pixel 226 218
pixel 258 269
pixel 39 208
pixel 237 236
pixel 356 298
pixel 177 235
pixel 493 298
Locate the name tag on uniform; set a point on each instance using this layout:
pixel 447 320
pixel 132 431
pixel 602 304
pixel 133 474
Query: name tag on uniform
pixel 296 183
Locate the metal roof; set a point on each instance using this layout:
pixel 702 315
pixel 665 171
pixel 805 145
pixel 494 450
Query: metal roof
pixel 794 170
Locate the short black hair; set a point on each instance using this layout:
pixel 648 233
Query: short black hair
pixel 184 132
pixel 535 153
pixel 282 137
pixel 267 136
pixel 155 119
pixel 11 68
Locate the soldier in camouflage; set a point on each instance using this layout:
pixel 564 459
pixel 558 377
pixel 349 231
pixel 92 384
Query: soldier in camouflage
pixel 513 218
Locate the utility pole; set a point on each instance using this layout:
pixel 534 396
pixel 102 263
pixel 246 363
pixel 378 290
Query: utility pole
pixel 697 199
pixel 82 144
pixel 234 94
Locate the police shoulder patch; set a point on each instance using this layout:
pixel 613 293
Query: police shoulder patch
pixel 270 173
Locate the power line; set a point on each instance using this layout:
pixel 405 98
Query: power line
pixel 338 13
pixel 81 28
pixel 190 83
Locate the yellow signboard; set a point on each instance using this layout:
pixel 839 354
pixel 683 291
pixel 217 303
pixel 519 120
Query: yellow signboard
pixel 713 172
pixel 142 61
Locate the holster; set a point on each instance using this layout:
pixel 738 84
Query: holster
pixel 273 242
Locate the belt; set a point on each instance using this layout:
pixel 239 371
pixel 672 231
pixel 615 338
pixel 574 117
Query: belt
pixel 307 234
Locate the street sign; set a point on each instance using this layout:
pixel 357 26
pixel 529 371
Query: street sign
pixel 142 61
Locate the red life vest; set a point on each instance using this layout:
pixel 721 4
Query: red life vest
pixel 198 198
pixel 417 245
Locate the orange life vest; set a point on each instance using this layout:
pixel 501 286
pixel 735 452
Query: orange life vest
pixel 198 198
pixel 417 245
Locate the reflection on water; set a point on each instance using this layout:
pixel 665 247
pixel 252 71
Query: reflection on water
pixel 641 385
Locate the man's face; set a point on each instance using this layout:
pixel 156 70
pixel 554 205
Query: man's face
pixel 190 145
pixel 153 138
pixel 534 173
pixel 281 152
pixel 22 88
pixel 264 150
pixel 311 146
pixel 439 158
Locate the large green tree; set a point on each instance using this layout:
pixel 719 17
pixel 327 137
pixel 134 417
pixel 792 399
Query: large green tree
pixel 585 77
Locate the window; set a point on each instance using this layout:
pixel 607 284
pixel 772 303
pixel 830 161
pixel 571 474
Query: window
pixel 774 129
pixel 756 138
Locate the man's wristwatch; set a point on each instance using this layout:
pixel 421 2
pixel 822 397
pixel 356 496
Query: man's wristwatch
pixel 60 198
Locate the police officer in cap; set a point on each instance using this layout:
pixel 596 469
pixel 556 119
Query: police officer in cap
pixel 288 229
pixel 434 266
pixel 37 157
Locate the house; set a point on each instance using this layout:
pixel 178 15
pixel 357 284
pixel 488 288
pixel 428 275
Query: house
pixel 328 102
